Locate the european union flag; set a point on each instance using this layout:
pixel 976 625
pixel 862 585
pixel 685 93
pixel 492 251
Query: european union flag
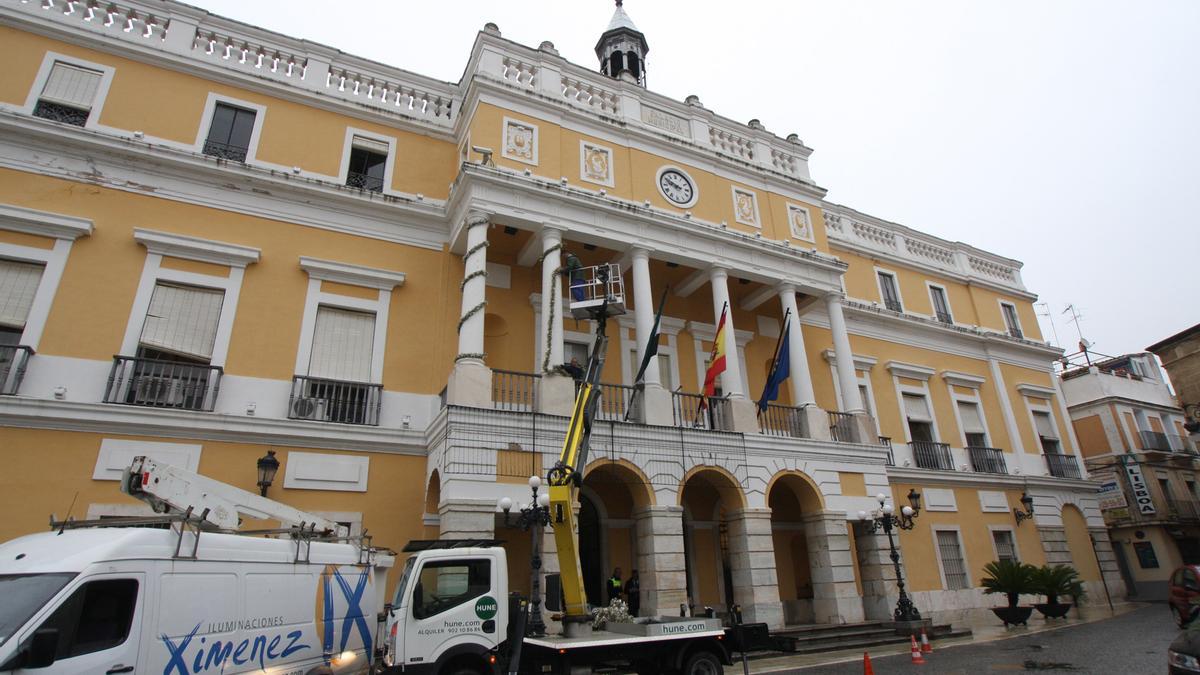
pixel 778 374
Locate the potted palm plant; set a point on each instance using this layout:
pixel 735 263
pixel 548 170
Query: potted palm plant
pixel 1053 581
pixel 1012 579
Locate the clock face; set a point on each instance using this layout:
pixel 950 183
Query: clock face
pixel 677 187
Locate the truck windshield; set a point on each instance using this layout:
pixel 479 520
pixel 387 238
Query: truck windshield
pixel 408 567
pixel 25 594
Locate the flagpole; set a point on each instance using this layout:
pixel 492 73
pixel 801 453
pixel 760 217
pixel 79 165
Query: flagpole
pixel 775 358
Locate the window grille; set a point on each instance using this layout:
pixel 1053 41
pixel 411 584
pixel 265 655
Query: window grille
pixel 229 134
pixel 951 556
pixel 1005 548
pixel 368 162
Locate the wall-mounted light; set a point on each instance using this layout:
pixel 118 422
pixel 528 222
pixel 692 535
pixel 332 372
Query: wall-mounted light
pixel 268 466
pixel 1027 503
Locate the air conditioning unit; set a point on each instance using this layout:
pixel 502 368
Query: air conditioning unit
pixel 164 391
pixel 310 409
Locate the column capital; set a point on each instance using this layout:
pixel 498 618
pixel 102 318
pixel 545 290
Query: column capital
pixel 639 252
pixel 551 234
pixel 477 218
pixel 834 296
pixel 717 272
pixel 785 289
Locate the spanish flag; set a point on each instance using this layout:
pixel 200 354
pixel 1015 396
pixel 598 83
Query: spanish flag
pixel 716 360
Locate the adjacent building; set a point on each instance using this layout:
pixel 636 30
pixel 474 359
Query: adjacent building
pixel 1180 355
pixel 218 241
pixel 1131 434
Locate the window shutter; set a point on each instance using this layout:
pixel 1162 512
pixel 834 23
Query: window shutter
pixel 952 560
pixel 371 145
pixel 1045 427
pixel 18 284
pixel 183 320
pixel 343 341
pixel 72 86
pixel 916 408
pixel 971 421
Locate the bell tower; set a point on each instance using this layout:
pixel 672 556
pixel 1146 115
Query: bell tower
pixel 622 48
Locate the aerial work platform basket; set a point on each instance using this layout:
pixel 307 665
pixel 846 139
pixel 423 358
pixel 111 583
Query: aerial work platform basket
pixel 589 287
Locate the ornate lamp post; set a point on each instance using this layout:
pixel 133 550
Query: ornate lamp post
pixel 534 518
pixel 884 518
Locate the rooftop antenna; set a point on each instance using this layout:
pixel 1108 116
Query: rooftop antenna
pixel 1049 315
pixel 1084 345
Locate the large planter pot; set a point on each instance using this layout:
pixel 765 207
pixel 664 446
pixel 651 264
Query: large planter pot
pixel 1056 610
pixel 1013 615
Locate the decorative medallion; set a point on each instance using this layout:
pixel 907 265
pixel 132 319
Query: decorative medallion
pixel 745 207
pixel 799 221
pixel 520 141
pixel 595 163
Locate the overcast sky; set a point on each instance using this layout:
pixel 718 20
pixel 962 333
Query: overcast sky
pixel 1063 134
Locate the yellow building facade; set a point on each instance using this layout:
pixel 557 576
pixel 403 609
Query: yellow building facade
pixel 217 241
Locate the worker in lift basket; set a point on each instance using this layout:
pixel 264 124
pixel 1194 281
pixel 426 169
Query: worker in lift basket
pixel 614 585
pixel 573 270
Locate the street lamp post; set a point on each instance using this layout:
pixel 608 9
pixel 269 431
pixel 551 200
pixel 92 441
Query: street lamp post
pixel 533 518
pixel 884 518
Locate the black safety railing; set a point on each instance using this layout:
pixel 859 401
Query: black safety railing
pixel 944 317
pixel 841 427
pixel 159 383
pixel 1063 466
pixel 987 460
pixel 236 153
pixel 364 181
pixel 1016 332
pixel 60 113
pixel 688 412
pixel 323 400
pixel 783 420
pixel 931 455
pixel 893 305
pixel 13 360
pixel 514 391
pixel 1155 440
pixel 614 401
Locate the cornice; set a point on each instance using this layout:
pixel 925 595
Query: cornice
pixel 898 474
pixel 43 223
pixel 860 362
pixel 910 371
pixel 965 380
pixel 1035 390
pixel 355 275
pixel 194 248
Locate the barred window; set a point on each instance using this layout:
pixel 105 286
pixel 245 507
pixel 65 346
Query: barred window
pixel 1005 548
pixel 950 553
pixel 368 162
pixel 230 131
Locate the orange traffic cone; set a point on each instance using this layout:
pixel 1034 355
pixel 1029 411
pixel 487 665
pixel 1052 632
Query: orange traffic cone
pixel 926 647
pixel 916 652
pixel 867 669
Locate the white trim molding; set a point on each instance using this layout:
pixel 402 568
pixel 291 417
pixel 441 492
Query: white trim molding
pixel 1035 390
pixel 43 223
pixel 320 471
pixel 102 87
pixel 590 171
pixel 965 380
pixel 910 371
pixel 860 362
pixel 194 248
pixel 115 456
pixel 753 219
pixel 354 275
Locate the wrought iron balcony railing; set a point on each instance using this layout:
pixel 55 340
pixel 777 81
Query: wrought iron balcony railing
pixel 1063 466
pixel 13 359
pixel 514 391
pixel 930 455
pixel 1016 332
pixel 944 317
pixel 364 181
pixel 60 113
pixel 688 412
pixel 783 420
pixel 159 383
pixel 893 305
pixel 841 427
pixel 987 460
pixel 322 400
pixel 236 153
pixel 1155 440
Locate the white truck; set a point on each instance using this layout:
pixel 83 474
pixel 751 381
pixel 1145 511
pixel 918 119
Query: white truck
pixel 198 596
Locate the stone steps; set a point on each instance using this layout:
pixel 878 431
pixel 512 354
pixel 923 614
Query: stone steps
pixel 820 639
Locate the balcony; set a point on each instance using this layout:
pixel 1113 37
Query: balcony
pixel 158 383
pixel 886 442
pixel 987 460
pixel 615 400
pixel 364 181
pixel 930 455
pixel 841 427
pixel 1155 440
pixel 1183 510
pixel 1016 332
pixel 13 359
pixel 783 420
pixel 944 317
pixel 687 411
pixel 893 305
pixel 514 391
pixel 221 150
pixel 323 400
pixel 1063 466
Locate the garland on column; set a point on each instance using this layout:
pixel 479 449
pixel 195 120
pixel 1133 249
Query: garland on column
pixel 473 275
pixel 553 303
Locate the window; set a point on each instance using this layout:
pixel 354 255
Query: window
pixel 229 134
pixel 579 352
pixel 1165 486
pixel 920 422
pixel 445 584
pixel 96 617
pixel 941 306
pixel 1147 559
pixel 975 434
pixel 342 344
pixel 665 376
pixel 368 163
pixel 1011 323
pixel 1006 549
pixel 18 284
pixel 953 566
pixel 68 94
pixel 1046 433
pixel 889 292
pixel 864 394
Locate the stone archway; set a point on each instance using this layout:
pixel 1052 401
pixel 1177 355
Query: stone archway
pixel 791 496
pixel 613 495
pixel 717 547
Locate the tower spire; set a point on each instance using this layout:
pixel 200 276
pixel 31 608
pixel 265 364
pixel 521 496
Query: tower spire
pixel 622 47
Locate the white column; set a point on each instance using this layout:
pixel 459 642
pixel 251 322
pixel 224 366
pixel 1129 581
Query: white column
pixel 845 356
pixel 552 300
pixel 643 307
pixel 470 333
pixel 799 377
pixel 731 379
pixel 1006 410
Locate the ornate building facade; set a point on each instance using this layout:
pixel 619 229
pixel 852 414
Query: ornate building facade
pixel 216 241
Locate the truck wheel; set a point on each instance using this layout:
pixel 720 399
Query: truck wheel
pixel 702 663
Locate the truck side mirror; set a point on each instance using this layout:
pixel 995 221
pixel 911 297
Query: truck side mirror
pixel 42 648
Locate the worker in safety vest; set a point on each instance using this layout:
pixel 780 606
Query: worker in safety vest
pixel 614 585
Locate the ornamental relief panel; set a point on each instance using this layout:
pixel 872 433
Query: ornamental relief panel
pixel 800 222
pixel 520 141
pixel 595 163
pixel 745 207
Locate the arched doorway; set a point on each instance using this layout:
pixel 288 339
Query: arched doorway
pixel 613 493
pixel 791 496
pixel 708 497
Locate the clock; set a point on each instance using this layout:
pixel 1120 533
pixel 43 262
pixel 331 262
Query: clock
pixel 676 186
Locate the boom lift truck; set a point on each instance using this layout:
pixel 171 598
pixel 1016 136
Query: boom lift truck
pixel 122 595
pixel 449 614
